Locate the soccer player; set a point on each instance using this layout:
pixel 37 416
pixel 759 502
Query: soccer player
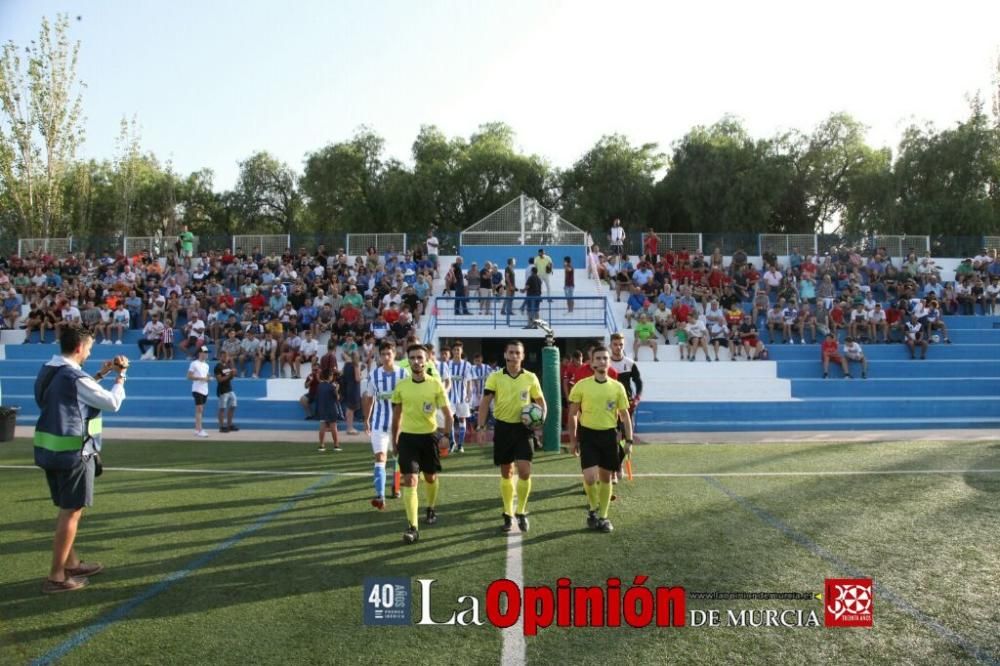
pixel 510 390
pixel 459 395
pixel 480 371
pixel 415 402
pixel 595 405
pixel 377 408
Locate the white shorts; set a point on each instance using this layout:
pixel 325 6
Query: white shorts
pixel 462 410
pixel 380 441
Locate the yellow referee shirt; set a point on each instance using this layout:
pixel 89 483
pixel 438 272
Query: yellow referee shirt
pixel 420 401
pixel 599 402
pixel 512 394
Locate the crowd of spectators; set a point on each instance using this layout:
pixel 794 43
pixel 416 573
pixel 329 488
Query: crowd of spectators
pixel 266 312
pixel 706 301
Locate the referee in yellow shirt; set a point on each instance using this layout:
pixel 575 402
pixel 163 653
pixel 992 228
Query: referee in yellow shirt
pixel 595 406
pixel 415 402
pixel 510 390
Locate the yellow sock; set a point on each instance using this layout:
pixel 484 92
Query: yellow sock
pixel 591 489
pixel 410 502
pixel 432 492
pixel 523 490
pixel 507 493
pixel 605 493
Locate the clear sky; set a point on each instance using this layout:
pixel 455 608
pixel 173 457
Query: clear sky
pixel 211 82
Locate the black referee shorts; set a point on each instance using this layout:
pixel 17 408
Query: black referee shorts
pixel 418 453
pixel 599 448
pixel 512 442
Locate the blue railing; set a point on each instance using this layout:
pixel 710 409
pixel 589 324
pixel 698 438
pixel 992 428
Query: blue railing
pixel 518 311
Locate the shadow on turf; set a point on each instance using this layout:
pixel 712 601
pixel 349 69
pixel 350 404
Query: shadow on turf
pixel 987 483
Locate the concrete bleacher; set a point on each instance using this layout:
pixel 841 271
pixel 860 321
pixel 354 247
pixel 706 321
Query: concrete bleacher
pixel 956 387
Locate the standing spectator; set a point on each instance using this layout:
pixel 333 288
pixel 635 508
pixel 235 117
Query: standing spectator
pixel 616 237
pixel 509 286
pixel 198 375
pixel 569 282
pixel 350 389
pixel 432 249
pixel 533 293
pixel 328 409
pixel 185 245
pixel 224 373
pixel 854 353
pixel 543 263
pixel 829 352
pixel 457 280
pixel 165 349
pixel 651 246
pixel 71 402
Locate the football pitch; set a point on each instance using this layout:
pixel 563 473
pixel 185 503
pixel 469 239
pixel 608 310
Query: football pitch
pixel 249 552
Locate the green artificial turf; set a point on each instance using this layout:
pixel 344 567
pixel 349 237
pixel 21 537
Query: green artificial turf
pixel 269 568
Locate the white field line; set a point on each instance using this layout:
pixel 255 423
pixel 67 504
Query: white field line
pixel 459 475
pixel 513 651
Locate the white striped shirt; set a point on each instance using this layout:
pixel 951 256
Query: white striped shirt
pixel 461 373
pixel 380 385
pixel 479 374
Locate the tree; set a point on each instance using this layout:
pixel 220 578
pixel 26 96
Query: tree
pixel 612 179
pixel 126 166
pixel 342 183
pixel 266 194
pixel 41 125
pixel 723 180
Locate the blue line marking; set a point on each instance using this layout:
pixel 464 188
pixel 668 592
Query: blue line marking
pixel 883 593
pixel 123 611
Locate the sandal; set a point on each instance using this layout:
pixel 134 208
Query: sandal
pixel 69 585
pixel 85 570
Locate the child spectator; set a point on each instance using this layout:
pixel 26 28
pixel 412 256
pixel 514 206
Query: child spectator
pixel 328 410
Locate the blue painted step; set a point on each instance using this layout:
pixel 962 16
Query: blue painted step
pixel 906 368
pixel 168 369
pixel 891 352
pixel 150 387
pixel 848 409
pixel 879 388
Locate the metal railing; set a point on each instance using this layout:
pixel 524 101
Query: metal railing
pixel 517 312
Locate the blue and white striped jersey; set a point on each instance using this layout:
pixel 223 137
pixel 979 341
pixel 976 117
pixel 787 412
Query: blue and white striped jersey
pixel 479 374
pixel 461 373
pixel 381 383
pixel 443 370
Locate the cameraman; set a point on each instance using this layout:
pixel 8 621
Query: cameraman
pixel 67 444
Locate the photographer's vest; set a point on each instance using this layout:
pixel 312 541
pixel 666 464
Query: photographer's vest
pixel 62 426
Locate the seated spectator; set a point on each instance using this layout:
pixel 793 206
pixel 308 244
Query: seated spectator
pixel 635 306
pixel 829 352
pixel 916 336
pixel 790 322
pixel 775 321
pixel 697 337
pixel 992 294
pixel 645 336
pixel 858 322
pixel 663 320
pixel 878 321
pixel 749 338
pixel 718 335
pixel 806 322
pixel 854 354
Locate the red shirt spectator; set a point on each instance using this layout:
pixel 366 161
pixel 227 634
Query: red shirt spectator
pixel 681 312
pixel 391 315
pixel 350 314
pixel 837 315
pixel 669 258
pixel 226 300
pixel 829 348
pixel 257 301
pixel 717 279
pixel 651 245
pixel 227 257
pixel 893 315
